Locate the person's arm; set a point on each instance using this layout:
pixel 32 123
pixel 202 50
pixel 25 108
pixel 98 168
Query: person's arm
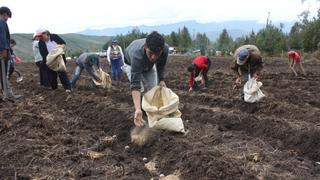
pixel 122 55
pixel 191 81
pixel 98 63
pixel 108 54
pixel 58 40
pixel 135 86
pixel 4 46
pixel 88 64
pixel 162 63
pixel 136 97
pixel 292 68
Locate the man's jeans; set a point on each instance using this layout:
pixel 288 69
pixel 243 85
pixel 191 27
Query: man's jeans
pixel 116 71
pixel 76 76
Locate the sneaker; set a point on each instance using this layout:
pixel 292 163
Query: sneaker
pixel 68 91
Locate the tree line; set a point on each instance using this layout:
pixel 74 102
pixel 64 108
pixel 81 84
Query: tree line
pixel 304 35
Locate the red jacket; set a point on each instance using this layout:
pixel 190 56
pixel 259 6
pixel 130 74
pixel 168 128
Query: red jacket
pixel 201 64
pixel 294 55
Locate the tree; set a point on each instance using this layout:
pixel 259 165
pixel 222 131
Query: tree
pixel 294 39
pixel 184 39
pixel 224 42
pixel 271 40
pixel 201 42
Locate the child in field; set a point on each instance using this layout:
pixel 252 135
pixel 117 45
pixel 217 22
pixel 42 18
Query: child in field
pixel 13 60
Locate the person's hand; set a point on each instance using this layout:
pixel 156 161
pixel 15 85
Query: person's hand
pixel 238 80
pixel 138 118
pixel 190 89
pixel 255 76
pixel 4 53
pixel 162 84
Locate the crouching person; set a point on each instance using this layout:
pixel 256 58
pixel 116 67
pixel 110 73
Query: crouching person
pixel 200 66
pixel 145 64
pixel 89 62
pixel 247 61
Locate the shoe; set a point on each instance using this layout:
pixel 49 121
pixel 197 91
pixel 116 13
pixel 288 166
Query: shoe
pixel 68 91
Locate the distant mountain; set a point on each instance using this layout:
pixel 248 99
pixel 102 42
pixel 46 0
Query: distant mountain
pixel 213 29
pixel 76 43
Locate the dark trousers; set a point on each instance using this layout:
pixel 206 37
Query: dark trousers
pixel 3 79
pixel 43 74
pixel 53 75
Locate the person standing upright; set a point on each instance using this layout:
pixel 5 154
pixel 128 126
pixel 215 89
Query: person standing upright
pixel 115 58
pixel 5 14
pixel 47 43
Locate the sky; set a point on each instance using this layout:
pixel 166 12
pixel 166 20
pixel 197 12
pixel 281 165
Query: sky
pixel 70 16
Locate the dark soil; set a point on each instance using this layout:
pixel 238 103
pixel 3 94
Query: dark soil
pixel 53 135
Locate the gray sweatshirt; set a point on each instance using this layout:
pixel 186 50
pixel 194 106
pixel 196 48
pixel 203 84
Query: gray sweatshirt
pixel 135 56
pixel 87 61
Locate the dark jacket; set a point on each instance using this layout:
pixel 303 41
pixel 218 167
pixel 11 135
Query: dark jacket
pixel 4 36
pixel 43 48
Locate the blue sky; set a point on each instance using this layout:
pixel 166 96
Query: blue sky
pixel 67 16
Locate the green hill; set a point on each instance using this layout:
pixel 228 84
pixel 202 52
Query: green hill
pixel 75 44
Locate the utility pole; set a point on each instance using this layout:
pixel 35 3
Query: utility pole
pixel 268 20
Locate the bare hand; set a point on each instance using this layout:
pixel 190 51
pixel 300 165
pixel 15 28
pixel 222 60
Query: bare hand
pixel 4 53
pixel 138 118
pixel 238 80
pixel 162 84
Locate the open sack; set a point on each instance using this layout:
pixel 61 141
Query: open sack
pixel 161 106
pixel 105 79
pixel 55 60
pixel 252 92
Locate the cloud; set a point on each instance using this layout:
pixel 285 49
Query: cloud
pixel 63 16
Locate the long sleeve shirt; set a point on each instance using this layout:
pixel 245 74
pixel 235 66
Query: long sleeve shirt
pixel 201 63
pixel 135 56
pixel 4 36
pixel 44 47
pixel 36 51
pixel 113 53
pixel 88 61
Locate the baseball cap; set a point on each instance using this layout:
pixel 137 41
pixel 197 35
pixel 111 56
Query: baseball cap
pixel 243 54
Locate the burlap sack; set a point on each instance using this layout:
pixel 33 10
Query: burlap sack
pixel 55 60
pixel 161 106
pixel 105 79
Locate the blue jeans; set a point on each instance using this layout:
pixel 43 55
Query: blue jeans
pixel 76 76
pixel 116 68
